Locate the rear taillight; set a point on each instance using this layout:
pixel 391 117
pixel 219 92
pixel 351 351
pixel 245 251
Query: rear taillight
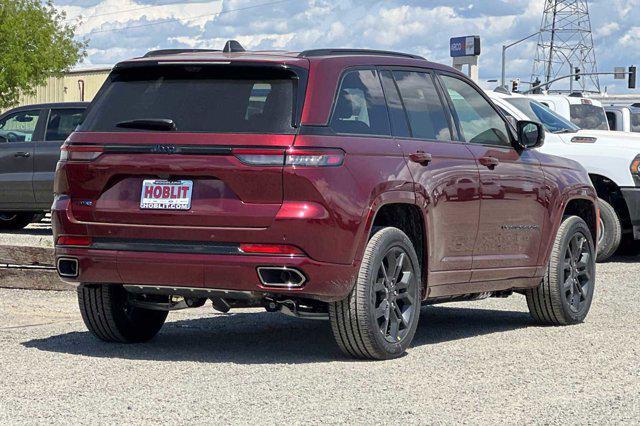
pixel 298 157
pixel 260 157
pixel 70 240
pixel 80 152
pixel 271 249
pixel 305 157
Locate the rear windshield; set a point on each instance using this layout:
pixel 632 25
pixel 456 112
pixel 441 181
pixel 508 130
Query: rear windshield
pixel 590 117
pixel 216 99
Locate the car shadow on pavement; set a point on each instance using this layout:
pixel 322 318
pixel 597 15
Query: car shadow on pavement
pixel 263 338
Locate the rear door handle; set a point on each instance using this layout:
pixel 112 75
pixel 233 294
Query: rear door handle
pixel 22 154
pixel 489 162
pixel 421 157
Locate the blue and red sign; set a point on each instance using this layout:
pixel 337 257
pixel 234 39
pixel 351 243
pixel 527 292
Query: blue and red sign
pixel 464 46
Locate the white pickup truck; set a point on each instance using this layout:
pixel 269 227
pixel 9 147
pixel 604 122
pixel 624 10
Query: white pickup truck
pixel 611 158
pixel 623 118
pixel 585 113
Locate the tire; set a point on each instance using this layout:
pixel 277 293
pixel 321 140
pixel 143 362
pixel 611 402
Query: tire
pixel 358 321
pixel 554 302
pixel 14 221
pixel 610 231
pixel 107 314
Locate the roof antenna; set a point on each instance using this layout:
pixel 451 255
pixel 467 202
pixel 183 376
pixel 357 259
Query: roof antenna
pixel 233 46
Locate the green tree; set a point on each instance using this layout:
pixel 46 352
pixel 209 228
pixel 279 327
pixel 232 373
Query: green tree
pixel 35 43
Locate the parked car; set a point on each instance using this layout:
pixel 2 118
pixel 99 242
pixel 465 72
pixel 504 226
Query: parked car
pixel 30 140
pixel 611 158
pixel 585 113
pixel 623 118
pixel 363 184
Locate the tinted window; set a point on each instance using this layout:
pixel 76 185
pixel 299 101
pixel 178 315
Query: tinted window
pixel 425 111
pixel 506 113
pixel 611 119
pixel 399 125
pixel 480 123
pixel 635 122
pixel 198 99
pixel 536 111
pixel 360 107
pixel 19 127
pixel 589 117
pixel 62 122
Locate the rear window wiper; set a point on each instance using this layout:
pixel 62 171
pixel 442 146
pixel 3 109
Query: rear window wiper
pixel 163 124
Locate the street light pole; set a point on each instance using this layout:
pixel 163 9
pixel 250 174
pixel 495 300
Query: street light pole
pixel 504 56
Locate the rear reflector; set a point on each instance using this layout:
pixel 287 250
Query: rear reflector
pixel 272 249
pixel 69 240
pixel 80 152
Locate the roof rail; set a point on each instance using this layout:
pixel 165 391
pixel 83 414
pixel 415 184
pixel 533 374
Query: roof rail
pixel 331 52
pixel 163 52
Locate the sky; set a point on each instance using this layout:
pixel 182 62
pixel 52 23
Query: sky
pixel 121 29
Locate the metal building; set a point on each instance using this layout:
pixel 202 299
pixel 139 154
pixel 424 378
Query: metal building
pixel 74 86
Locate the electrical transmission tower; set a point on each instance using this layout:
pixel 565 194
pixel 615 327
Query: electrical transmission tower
pixel 565 41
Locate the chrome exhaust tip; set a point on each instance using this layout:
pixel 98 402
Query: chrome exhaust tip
pixel 281 276
pixel 68 267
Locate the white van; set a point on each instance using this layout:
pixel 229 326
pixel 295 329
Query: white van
pixel 623 118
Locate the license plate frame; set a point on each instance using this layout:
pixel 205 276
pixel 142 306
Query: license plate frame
pixel 177 196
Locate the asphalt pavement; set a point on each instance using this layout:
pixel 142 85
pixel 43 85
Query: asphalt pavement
pixel 476 362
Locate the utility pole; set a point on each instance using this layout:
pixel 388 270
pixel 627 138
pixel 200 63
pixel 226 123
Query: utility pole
pixel 566 40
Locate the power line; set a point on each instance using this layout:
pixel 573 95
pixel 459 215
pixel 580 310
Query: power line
pixel 191 18
pixel 111 13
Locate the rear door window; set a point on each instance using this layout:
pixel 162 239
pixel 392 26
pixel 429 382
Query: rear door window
pixel 397 115
pixel 635 122
pixel 424 107
pixel 360 106
pixel 62 122
pixel 212 99
pixel 611 118
pixel 19 126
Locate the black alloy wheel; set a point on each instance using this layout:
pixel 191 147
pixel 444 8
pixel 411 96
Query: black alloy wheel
pixel 393 290
pixel 577 273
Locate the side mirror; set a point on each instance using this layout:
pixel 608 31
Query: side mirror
pixel 530 134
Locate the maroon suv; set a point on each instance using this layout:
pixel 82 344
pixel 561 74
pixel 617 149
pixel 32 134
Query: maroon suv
pixel 337 184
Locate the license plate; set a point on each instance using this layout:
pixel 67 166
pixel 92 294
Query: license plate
pixel 166 195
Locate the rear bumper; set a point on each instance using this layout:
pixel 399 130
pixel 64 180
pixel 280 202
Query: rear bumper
pixel 632 198
pixel 324 281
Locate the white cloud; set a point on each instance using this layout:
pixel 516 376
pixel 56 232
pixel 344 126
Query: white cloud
pixel 417 26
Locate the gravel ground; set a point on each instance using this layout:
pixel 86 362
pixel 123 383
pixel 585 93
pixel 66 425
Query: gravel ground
pixel 478 362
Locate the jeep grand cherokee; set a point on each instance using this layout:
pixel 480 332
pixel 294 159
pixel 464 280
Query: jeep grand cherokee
pixel 335 184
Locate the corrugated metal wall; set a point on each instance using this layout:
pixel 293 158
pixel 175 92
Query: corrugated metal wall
pixel 69 87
